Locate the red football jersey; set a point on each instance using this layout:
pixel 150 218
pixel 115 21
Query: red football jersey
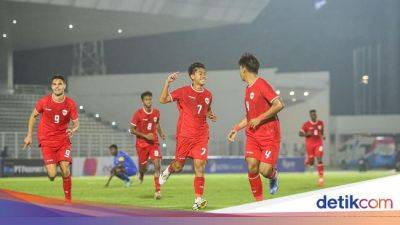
pixel 146 122
pixel 258 99
pixel 54 120
pixel 193 106
pixel 316 130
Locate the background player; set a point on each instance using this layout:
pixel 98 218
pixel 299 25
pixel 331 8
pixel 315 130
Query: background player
pixel 145 124
pixel 53 134
pixel 192 133
pixel 313 131
pixel 124 167
pixel 262 127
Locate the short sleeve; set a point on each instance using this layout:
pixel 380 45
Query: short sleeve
pixel 177 94
pixel 135 119
pixel 39 106
pixel 74 110
pixel 268 92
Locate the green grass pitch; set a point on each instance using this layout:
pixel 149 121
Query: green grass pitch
pixel 221 190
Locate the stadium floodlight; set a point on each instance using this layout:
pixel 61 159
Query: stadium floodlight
pixel 291 93
pixel 119 31
pixel 306 93
pixel 365 79
pixel 97 115
pixel 70 26
pixel 278 92
pixel 113 123
pixel 319 4
pixel 4 35
pixel 14 21
pixel 81 107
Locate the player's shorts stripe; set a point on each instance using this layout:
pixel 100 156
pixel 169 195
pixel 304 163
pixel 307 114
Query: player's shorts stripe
pixel 133 124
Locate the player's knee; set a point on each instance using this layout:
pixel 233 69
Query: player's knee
pixel 143 169
pixel 319 160
pixel 253 169
pixel 266 172
pixel 177 166
pixel 52 177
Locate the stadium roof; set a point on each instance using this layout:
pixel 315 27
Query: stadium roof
pixel 44 23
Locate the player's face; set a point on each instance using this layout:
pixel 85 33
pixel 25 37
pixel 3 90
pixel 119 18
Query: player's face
pixel 113 151
pixel 147 101
pixel 199 76
pixel 58 86
pixel 242 73
pixel 313 116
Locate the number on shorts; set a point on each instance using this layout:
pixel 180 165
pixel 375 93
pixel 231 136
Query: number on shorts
pixel 67 152
pixel 199 107
pixel 155 153
pixel 56 118
pixel 203 151
pixel 149 126
pixel 267 154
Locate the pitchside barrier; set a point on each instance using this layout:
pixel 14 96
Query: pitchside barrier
pixel 101 166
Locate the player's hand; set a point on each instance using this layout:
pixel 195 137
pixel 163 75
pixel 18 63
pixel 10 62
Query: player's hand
pixel 253 123
pixel 171 77
pixel 212 117
pixel 27 142
pixel 308 133
pixel 70 132
pixel 163 135
pixel 232 135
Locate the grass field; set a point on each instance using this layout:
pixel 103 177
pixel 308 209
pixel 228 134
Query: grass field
pixel 222 190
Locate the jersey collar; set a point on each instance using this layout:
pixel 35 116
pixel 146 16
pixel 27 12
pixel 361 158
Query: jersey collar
pixel 144 110
pixel 202 89
pixel 253 82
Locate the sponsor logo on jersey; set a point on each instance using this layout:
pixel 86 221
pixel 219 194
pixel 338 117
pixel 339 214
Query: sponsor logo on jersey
pixel 47 109
pixel 64 112
pixel 319 127
pixel 191 97
pixel 155 119
pixel 145 119
pixel 251 95
pixel 207 100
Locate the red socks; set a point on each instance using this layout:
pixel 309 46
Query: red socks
pixel 67 187
pixel 320 169
pixel 156 184
pixel 198 186
pixel 272 175
pixel 256 186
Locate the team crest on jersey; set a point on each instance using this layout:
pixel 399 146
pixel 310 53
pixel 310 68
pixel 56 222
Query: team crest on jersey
pixel 155 119
pixel 207 100
pixel 64 112
pixel 319 127
pixel 251 95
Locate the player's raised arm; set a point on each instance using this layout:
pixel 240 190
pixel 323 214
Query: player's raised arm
pixel 276 106
pixel 165 97
pixel 31 124
pixel 232 134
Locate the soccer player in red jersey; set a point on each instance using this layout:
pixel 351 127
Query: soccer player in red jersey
pixel 145 124
pixel 313 131
pixel 54 134
pixel 263 137
pixel 192 133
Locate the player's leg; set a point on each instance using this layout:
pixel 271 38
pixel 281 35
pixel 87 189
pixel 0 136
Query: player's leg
pixel 320 166
pixel 268 161
pixel 199 184
pixel 309 161
pixel 64 160
pixel 155 156
pixel 252 156
pixel 51 171
pixel 143 156
pixel 181 152
pixel 122 173
pixel 50 161
pixel 66 175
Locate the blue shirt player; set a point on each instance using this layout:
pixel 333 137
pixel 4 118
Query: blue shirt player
pixel 123 168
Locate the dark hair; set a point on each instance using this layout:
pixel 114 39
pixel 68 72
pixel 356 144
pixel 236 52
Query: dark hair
pixel 192 68
pixel 146 93
pixel 58 77
pixel 250 62
pixel 113 146
pixel 313 111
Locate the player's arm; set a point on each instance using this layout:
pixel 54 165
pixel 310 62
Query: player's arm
pixel 232 134
pixel 165 97
pixel 112 174
pixel 211 115
pixel 322 131
pixel 74 129
pixel 276 106
pixel 160 131
pixel 133 130
pixel 31 124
